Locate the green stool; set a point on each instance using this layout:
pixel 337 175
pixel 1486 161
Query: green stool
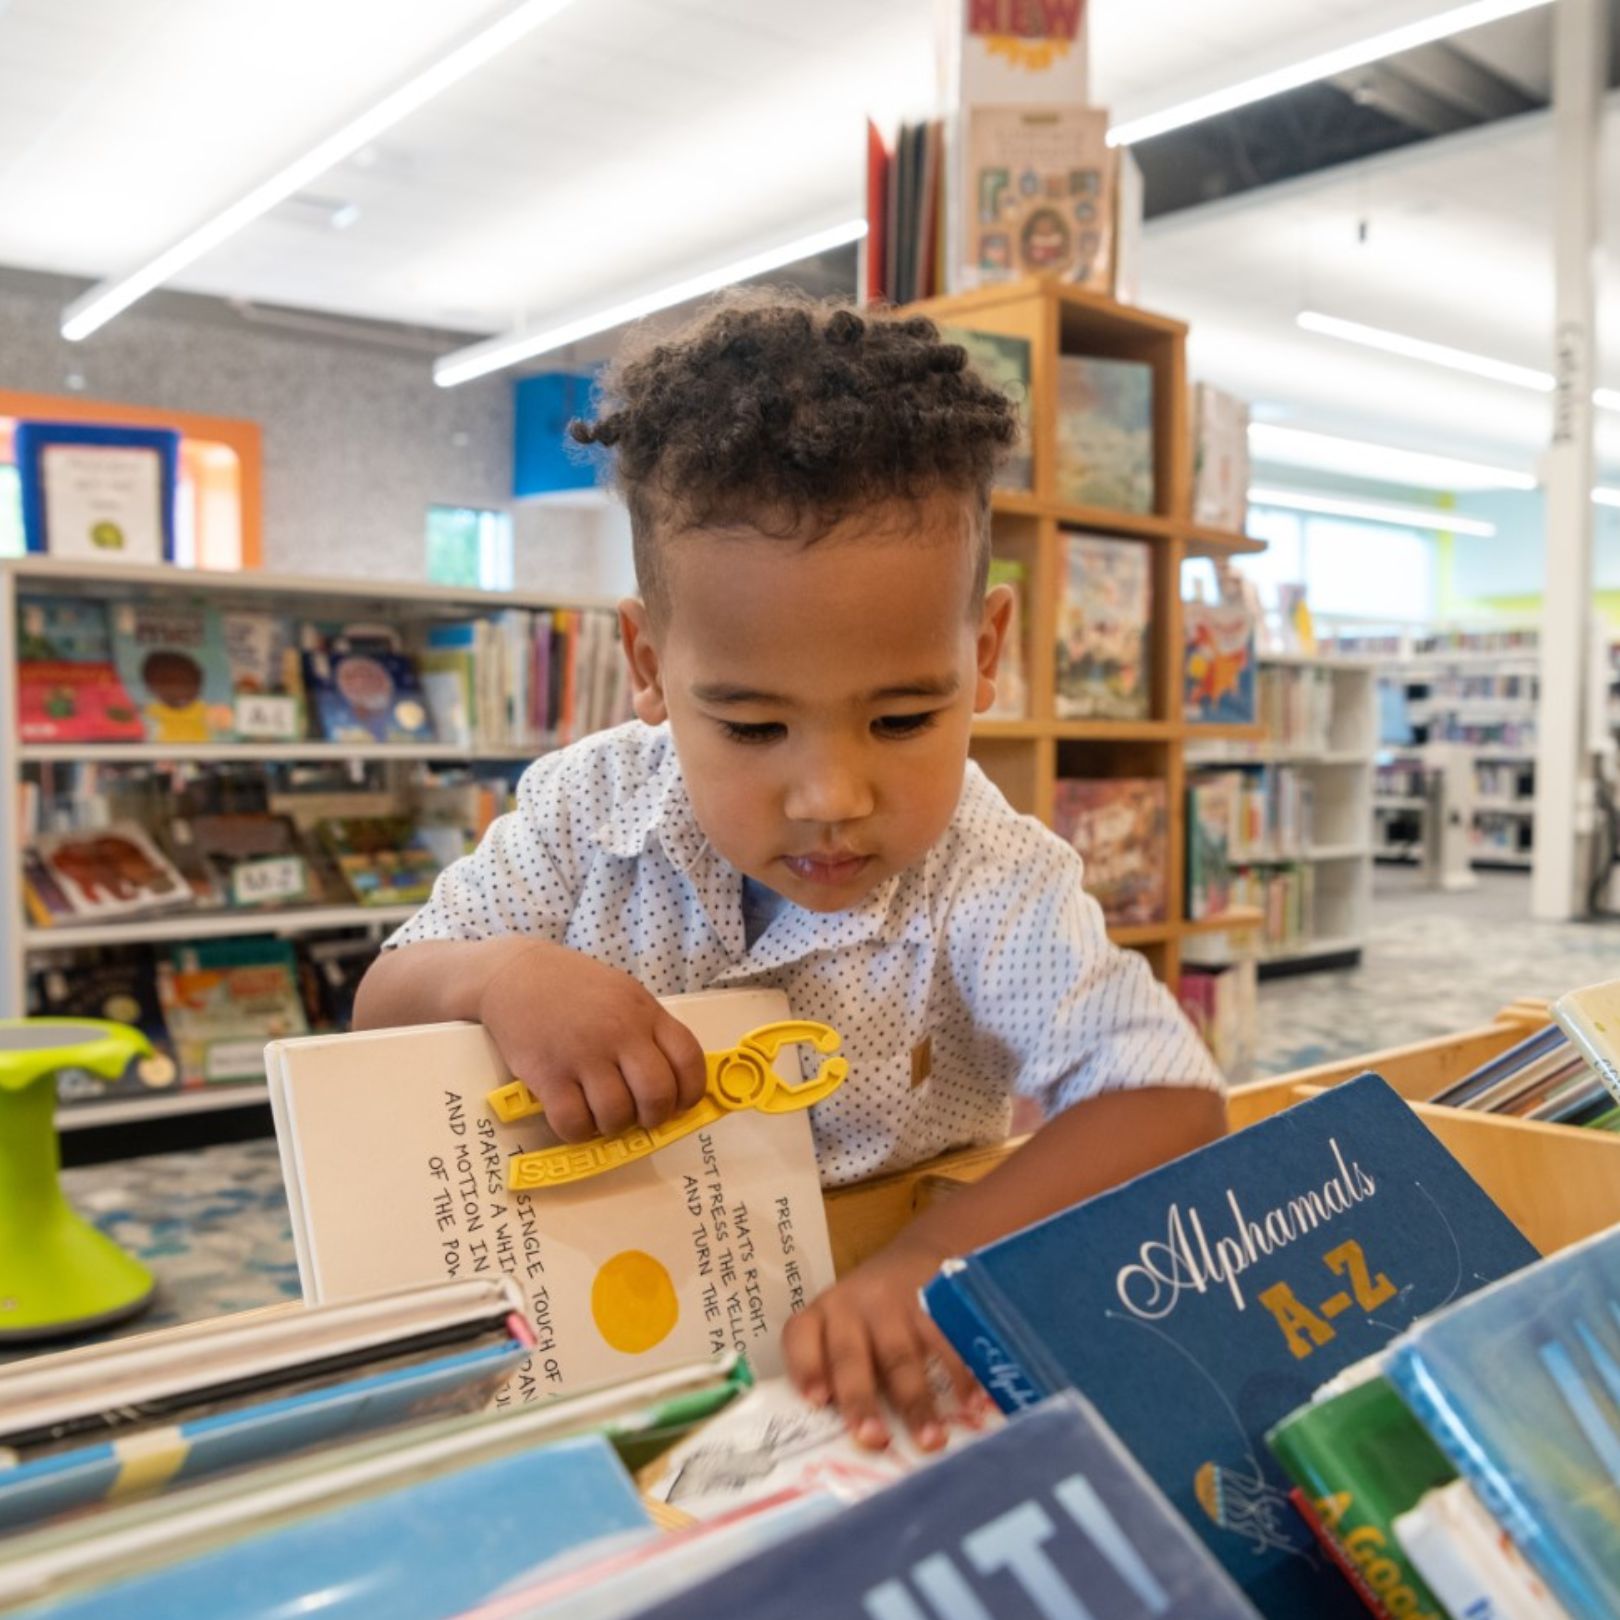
pixel 58 1274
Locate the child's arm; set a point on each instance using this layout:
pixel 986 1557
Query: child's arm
pixel 594 1046
pixel 869 1331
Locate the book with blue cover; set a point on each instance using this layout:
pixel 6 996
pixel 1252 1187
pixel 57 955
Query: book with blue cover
pixel 1198 1305
pixel 425 1549
pixel 1520 1387
pixel 1048 1516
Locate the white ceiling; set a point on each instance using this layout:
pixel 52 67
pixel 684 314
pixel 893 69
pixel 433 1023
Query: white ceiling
pixel 627 138
pixel 1457 249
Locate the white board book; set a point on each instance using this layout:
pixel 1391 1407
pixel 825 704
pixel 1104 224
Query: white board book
pixel 396 1172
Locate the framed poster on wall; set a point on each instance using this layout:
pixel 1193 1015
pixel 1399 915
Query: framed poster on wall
pixel 98 493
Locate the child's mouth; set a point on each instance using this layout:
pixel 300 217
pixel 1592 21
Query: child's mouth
pixel 830 869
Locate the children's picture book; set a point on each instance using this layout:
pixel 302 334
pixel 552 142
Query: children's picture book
pixel 1361 1459
pixel 247 859
pixel 1004 52
pixel 366 694
pixel 1224 1288
pixel 1220 459
pixel 1105 433
pixel 68 689
pixel 1104 623
pixel 118 984
pixel 1038 194
pixel 1520 1388
pixel 96 492
pixel 1591 1019
pixel 150 1414
pixel 223 999
pixel 103 875
pixel 1003 362
pixel 1049 1515
pixel 1469 1562
pixel 381 859
pixel 1218 685
pixel 1119 827
pixel 707 1245
pixel 171 657
pixel 267 682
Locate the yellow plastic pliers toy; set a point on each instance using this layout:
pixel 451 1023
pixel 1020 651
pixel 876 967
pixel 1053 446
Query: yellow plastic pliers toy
pixel 739 1077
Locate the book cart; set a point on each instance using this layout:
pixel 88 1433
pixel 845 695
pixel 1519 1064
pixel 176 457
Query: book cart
pixel 1556 1183
pixel 405 607
pixel 1026 758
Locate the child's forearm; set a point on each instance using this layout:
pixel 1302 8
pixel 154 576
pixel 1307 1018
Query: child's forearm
pixel 1084 1150
pixel 436 982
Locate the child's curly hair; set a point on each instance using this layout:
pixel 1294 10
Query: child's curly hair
pixel 784 415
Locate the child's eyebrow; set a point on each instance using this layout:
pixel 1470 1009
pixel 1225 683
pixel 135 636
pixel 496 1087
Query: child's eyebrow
pixel 722 694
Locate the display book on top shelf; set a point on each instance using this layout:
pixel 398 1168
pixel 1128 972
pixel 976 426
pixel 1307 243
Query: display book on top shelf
pixel 409 609
pixel 1298 804
pixel 1474 690
pixel 1028 755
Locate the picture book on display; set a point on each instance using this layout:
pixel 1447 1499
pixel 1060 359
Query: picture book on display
pixel 102 875
pixel 381 859
pixel 1219 664
pixel 1227 1286
pixel 1003 361
pixel 171 658
pixel 223 999
pixel 362 691
pixel 1104 623
pixel 1220 459
pixel 98 492
pixel 707 1245
pixel 1591 1019
pixel 1049 1516
pixel 1212 813
pixel 243 859
pixel 118 984
pixel 68 689
pixel 1118 827
pixel 1105 433
pixel 1520 1388
pixel 267 683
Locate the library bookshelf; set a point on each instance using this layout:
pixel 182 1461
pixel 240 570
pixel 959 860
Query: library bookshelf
pixel 1026 758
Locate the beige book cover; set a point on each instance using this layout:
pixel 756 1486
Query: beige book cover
pixel 396 1173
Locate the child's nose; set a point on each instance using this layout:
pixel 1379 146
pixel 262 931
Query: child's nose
pixel 830 791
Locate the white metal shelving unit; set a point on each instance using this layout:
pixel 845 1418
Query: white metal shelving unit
pixel 1341 776
pixel 301 597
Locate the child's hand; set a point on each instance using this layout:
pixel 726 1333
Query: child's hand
pixel 868 1335
pixel 591 1043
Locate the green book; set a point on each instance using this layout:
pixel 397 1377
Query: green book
pixel 1361 1458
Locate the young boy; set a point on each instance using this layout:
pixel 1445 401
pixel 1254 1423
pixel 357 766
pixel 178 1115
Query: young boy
pixel 794 808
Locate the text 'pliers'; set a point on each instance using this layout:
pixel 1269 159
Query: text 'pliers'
pixel 739 1077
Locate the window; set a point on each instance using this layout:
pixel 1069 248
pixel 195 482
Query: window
pixel 469 546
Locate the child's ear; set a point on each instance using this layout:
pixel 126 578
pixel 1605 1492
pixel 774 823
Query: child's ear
pixel 994 622
pixel 646 680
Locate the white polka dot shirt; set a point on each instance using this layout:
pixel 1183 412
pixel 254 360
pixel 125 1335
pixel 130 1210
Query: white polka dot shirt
pixel 988 950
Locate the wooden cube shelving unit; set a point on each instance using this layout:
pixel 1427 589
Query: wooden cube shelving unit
pixel 1027 757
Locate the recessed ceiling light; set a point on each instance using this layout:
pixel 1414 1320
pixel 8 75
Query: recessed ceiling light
pixel 97 306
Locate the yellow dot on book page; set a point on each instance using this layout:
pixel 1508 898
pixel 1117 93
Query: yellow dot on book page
pixel 633 1302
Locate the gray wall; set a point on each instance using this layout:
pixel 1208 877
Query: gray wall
pixel 358 441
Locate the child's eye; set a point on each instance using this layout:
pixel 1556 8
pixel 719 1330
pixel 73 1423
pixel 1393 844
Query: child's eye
pixel 903 725
pixel 761 731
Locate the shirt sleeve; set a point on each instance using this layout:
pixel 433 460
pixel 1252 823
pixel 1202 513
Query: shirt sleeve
pixel 1067 1012
pixel 524 877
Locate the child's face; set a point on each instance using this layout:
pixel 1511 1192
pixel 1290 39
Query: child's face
pixel 820 697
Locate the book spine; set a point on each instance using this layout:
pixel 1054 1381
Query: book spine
pixel 1336 1554
pixel 986 1348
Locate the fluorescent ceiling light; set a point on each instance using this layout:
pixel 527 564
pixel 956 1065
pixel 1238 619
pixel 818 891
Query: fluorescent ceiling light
pixel 1314 68
pixel 496 353
pixel 1406 517
pixel 1295 447
pixel 106 299
pixel 1606 497
pixel 1442 354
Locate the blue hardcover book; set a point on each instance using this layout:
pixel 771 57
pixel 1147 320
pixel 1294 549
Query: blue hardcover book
pixel 1198 1305
pixel 1050 1516
pixel 1520 1387
pixel 180 1453
pixel 425 1551
pixel 367 695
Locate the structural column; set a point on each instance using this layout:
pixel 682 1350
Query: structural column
pixel 1564 796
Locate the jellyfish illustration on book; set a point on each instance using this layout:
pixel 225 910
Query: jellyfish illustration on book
pixel 1242 1502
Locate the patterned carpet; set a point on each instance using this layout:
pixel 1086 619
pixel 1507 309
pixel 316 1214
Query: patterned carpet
pixel 213 1225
